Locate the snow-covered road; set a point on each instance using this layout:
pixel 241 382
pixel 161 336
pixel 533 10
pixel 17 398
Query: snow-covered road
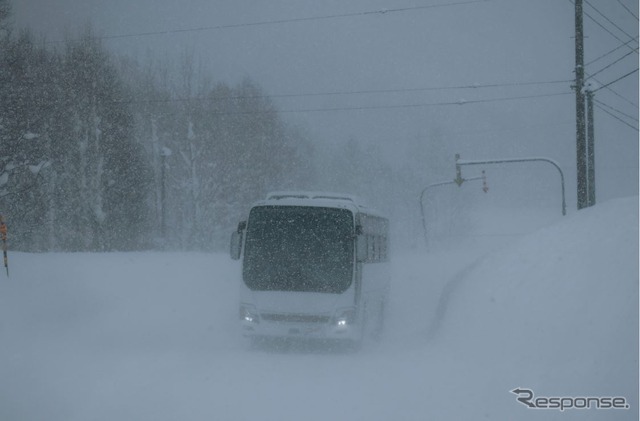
pixel 154 336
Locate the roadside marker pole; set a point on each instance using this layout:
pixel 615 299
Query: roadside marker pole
pixel 3 236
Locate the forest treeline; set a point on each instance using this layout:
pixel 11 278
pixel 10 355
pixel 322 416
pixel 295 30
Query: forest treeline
pixel 100 152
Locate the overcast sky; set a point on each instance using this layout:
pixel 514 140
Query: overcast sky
pixel 416 52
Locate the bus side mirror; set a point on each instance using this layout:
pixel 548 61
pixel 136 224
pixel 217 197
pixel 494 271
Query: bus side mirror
pixel 236 241
pixel 361 248
pixel 236 245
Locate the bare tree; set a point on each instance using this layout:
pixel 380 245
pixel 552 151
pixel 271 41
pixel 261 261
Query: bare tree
pixel 5 14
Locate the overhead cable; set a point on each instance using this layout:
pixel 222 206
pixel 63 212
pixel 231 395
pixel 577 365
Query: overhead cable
pixel 616 80
pixel 612 63
pixel 460 102
pixel 608 20
pixel 431 88
pixel 616 110
pixel 603 27
pixel 616 117
pixel 613 51
pixel 627 9
pixel 610 89
pixel 290 20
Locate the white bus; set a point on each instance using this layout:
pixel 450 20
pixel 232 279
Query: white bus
pixel 314 265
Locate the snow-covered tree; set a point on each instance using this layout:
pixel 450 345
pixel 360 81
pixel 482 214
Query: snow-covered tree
pixel 105 167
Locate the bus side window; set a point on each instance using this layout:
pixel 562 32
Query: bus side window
pixel 383 251
pixel 373 242
pixel 372 249
pixel 362 248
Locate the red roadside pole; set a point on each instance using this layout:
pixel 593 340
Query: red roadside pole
pixel 3 236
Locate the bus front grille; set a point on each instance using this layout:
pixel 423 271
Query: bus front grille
pixel 295 318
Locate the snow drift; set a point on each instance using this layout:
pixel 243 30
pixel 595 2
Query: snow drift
pixel 154 336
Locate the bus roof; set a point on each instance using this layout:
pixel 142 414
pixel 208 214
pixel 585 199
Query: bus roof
pixel 316 198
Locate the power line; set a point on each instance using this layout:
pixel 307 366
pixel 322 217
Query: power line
pixel 611 64
pixel 603 27
pixel 471 86
pixel 616 110
pixel 370 107
pixel 432 88
pixel 613 51
pixel 627 9
pixel 616 80
pixel 358 92
pixel 459 102
pixel 401 106
pixel 290 20
pixel 608 20
pixel 608 31
pixel 610 89
pixel 617 118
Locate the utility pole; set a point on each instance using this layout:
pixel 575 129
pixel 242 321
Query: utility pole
pixel 581 142
pixel 591 169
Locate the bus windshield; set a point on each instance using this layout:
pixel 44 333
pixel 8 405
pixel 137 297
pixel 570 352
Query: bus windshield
pixel 295 248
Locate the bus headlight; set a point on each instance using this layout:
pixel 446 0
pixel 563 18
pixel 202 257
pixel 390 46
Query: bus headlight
pixel 248 313
pixel 344 317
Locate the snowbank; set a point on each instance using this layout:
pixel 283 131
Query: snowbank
pixel 556 313
pixel 154 336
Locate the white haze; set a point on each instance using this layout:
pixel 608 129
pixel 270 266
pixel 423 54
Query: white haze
pixel 506 292
pixel 155 336
pixel 481 43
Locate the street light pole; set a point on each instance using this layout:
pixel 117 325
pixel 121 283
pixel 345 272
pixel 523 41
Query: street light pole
pixel 461 162
pixel 458 180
